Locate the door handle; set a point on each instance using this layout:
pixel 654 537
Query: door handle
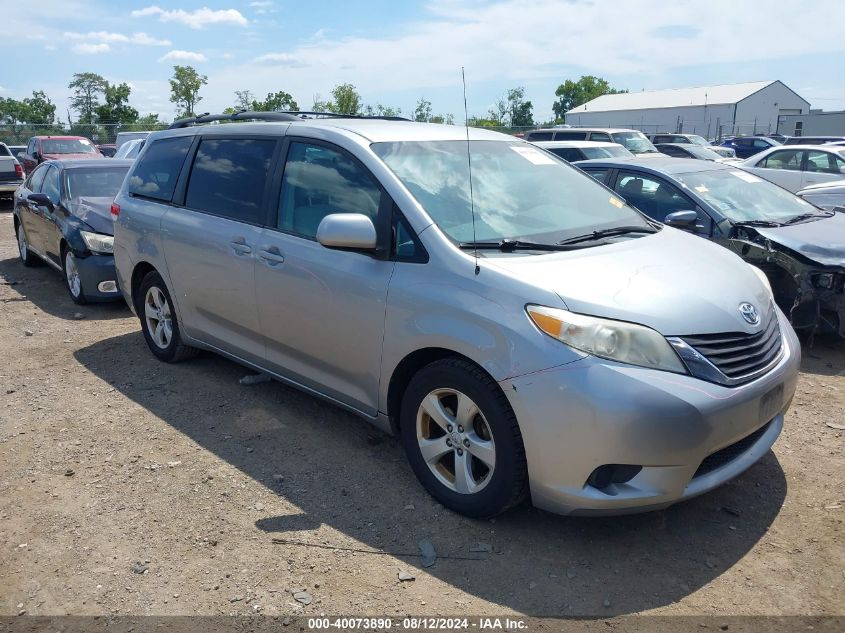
pixel 240 247
pixel 271 256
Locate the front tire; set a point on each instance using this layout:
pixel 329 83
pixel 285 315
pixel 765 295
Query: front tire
pixel 73 280
pixel 159 322
pixel 462 439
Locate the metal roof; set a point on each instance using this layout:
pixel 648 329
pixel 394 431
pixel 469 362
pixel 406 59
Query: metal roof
pixel 673 98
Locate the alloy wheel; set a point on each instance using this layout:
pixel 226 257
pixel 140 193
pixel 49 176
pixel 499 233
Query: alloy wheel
pixel 455 441
pixel 74 282
pixel 158 317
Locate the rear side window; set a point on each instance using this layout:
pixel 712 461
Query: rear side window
pixel 156 173
pixel 602 137
pixel 539 136
pixel 51 185
pixel 319 181
pixel 568 154
pixel 571 136
pixel 229 177
pixel 4 151
pixel 598 174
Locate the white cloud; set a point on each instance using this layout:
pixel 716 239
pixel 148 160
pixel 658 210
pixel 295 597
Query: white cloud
pixel 142 39
pixel 183 56
pixel 261 4
pixel 278 59
pixel 196 19
pixel 49 47
pixel 90 49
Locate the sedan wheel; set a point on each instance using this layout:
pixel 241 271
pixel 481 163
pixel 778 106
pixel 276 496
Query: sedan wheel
pixel 27 259
pixel 74 281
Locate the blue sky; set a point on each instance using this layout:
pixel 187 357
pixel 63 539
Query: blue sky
pixel 397 51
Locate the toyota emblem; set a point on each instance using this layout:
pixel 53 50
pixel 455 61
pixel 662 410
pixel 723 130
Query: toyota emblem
pixel 749 313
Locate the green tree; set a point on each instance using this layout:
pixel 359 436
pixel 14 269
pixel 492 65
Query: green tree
pixel 87 88
pixel 422 112
pixel 149 121
pixel 184 89
pixel 38 109
pixel 275 102
pixel 243 100
pixel 499 111
pixel 11 111
pixel 116 109
pixel 346 100
pixel 382 110
pixel 571 94
pixel 319 105
pixel 519 110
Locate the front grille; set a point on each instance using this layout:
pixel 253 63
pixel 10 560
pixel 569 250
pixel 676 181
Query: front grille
pixel 737 354
pixel 730 453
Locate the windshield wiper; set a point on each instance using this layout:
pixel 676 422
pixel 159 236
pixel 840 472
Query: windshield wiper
pixel 508 245
pixel 597 235
pixel 758 223
pixel 807 216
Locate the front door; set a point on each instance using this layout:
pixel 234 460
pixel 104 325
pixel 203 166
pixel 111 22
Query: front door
pixel 322 310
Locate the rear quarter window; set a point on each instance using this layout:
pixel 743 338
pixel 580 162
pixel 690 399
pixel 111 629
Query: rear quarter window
pixel 157 171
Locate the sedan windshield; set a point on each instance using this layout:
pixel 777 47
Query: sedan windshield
pixel 743 197
pixel 608 151
pixel 518 191
pixel 94 183
pixel 695 139
pixel 635 142
pixel 703 153
pixel 67 146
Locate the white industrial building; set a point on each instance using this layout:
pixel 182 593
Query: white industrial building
pixel 711 111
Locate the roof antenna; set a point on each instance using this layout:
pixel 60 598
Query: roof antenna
pixel 469 165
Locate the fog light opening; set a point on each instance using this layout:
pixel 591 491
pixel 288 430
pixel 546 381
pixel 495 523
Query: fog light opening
pixel 604 476
pixel 107 286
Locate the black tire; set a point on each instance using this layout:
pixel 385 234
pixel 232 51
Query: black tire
pixel 174 350
pixel 77 296
pixel 27 257
pixel 508 482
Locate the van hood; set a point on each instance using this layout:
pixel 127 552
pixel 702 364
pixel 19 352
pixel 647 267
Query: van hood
pixel 673 282
pixel 822 241
pixel 95 212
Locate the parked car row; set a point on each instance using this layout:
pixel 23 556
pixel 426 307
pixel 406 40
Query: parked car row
pixel 485 325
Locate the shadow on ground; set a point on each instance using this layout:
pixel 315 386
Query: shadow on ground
pixel 44 287
pixel 825 357
pixel 344 474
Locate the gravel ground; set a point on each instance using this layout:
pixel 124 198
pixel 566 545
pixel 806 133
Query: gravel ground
pixel 128 486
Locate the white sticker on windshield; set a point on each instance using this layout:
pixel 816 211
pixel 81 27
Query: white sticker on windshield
pixel 533 155
pixel 701 189
pixel 744 175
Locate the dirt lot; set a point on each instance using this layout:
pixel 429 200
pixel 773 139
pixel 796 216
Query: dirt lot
pixel 134 487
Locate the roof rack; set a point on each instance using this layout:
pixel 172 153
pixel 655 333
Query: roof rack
pixel 292 115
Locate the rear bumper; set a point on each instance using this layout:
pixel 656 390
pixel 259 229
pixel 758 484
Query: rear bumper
pixel 95 270
pixel 594 412
pixel 9 186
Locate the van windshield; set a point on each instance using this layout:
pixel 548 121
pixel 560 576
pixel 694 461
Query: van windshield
pixel 519 191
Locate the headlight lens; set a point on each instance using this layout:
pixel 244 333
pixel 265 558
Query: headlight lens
pixel 762 277
pixel 97 242
pixel 616 340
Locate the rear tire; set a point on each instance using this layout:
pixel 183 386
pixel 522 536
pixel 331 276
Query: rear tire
pixel 159 322
pixel 27 257
pixel 462 439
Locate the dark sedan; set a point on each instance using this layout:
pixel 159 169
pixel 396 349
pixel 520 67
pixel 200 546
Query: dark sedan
pixel 62 216
pixel 799 246
pixel 747 146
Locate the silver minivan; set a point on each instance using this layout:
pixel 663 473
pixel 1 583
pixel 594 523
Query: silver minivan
pixel 520 327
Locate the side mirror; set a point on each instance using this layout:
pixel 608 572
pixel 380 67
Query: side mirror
pixel 347 230
pixel 684 220
pixel 41 200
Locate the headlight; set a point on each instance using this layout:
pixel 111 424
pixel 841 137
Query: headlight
pixel 762 277
pixel 616 340
pixel 97 242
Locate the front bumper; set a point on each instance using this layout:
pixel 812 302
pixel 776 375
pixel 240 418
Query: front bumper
pixel 95 270
pixel 594 412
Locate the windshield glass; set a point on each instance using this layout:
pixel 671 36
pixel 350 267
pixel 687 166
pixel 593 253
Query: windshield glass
pixel 742 196
pixel 606 152
pixel 94 183
pixel 695 139
pixel 635 142
pixel 519 191
pixel 703 153
pixel 67 146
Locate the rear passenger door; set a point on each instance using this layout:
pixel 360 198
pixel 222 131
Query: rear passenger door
pixel 322 310
pixel 822 166
pixel 211 240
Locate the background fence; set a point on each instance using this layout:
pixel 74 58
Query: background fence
pixel 19 134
